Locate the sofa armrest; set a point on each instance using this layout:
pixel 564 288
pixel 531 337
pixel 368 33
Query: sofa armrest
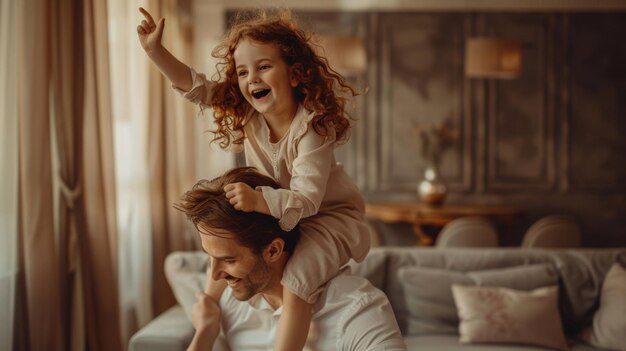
pixel 170 331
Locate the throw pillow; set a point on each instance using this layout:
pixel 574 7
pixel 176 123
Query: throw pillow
pixel 186 273
pixel 428 297
pixel 609 322
pixel 502 315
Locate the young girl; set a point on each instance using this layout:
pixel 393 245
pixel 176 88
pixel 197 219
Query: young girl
pixel 279 99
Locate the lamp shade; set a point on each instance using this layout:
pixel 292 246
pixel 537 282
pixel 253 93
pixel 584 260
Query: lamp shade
pixel 346 55
pixel 493 58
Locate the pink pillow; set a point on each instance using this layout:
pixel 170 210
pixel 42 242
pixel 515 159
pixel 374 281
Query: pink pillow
pixel 502 315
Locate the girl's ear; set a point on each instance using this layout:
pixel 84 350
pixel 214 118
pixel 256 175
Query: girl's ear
pixel 295 74
pixel 274 250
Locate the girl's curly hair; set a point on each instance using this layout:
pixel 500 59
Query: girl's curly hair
pixel 321 89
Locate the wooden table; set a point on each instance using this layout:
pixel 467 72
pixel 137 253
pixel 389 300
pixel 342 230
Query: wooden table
pixel 419 214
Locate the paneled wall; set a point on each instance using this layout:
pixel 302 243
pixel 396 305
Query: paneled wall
pixel 553 140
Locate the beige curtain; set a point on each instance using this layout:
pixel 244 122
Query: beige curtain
pixel 39 298
pixel 98 244
pixel 8 171
pixel 67 293
pixel 171 149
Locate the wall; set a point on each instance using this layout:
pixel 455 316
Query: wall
pixel 551 141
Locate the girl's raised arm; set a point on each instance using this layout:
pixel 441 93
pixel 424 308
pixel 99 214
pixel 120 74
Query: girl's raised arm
pixel 150 34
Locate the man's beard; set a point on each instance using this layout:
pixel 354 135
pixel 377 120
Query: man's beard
pixel 254 282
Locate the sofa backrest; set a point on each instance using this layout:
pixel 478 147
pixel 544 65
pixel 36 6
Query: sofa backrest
pixel 580 273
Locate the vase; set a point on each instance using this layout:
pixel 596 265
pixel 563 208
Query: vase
pixel 432 189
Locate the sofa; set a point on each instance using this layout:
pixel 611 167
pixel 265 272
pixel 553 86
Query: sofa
pixel 418 281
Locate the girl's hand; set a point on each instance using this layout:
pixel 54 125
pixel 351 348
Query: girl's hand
pixel 244 198
pixel 150 33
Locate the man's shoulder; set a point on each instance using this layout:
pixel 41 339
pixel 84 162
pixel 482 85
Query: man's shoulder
pixel 350 289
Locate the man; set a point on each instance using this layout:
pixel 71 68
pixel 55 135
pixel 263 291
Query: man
pixel 249 251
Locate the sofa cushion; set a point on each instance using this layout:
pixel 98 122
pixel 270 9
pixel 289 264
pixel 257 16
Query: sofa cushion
pixel 609 322
pixel 447 342
pixel 171 330
pixel 429 301
pixel 502 315
pixel 373 268
pixel 186 273
pixel 580 271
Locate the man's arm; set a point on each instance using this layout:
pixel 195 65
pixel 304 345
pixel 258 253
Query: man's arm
pixel 150 35
pixel 205 317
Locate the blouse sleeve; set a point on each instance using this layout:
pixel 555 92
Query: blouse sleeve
pixel 310 172
pixel 201 90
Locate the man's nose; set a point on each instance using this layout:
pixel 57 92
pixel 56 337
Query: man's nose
pixel 216 270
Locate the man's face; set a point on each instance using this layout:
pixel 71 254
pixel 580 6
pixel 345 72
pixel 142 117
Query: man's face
pixel 245 272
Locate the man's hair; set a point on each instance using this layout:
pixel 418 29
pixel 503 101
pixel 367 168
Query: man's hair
pixel 207 207
pixel 320 90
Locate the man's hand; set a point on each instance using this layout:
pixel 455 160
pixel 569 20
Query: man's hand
pixel 246 199
pixel 149 32
pixel 205 318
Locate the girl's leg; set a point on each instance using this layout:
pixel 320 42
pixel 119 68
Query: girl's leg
pixel 293 326
pixel 214 288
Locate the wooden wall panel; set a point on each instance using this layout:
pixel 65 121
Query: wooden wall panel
pixel 598 102
pixel 421 85
pixel 520 113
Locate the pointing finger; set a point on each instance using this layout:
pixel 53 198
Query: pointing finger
pixel 147 15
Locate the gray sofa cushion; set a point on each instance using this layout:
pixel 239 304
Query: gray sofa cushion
pixel 169 331
pixel 580 273
pixel 440 342
pixel 428 296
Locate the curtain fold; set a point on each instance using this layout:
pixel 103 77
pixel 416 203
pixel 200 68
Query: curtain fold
pixel 8 171
pixel 67 119
pixel 98 243
pixel 41 298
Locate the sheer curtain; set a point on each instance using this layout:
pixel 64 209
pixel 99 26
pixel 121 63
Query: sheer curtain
pixel 129 81
pixel 8 170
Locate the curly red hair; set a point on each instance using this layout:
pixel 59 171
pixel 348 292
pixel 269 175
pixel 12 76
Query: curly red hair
pixel 321 90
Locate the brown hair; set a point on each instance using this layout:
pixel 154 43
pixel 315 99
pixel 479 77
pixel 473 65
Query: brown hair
pixel 206 206
pixel 321 90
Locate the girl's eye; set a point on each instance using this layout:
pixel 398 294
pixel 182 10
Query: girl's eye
pixel 264 67
pixel 241 73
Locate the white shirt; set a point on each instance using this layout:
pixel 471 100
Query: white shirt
pixel 350 315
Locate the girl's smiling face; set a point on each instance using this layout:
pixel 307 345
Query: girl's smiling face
pixel 265 80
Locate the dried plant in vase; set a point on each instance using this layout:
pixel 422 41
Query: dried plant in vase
pixel 434 141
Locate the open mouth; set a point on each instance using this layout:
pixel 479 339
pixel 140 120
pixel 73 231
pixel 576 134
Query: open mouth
pixel 257 94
